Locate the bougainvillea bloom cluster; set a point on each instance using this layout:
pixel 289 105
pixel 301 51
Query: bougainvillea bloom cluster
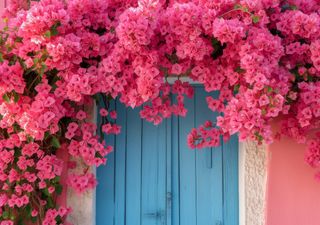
pixel 58 57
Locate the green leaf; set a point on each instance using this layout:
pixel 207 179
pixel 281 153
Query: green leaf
pixel 18 39
pixel 47 34
pixel 59 220
pixel 50 202
pixel 46 192
pixel 294 7
pixel 255 19
pixel 53 30
pixel 1 58
pixel 245 9
pixel 35 60
pixel 6 98
pixel 42 69
pixel 59 189
pixel 16 96
pixel 5 214
pixel 28 210
pixel 98 155
pixel 237 6
pixel 263 112
pixel 236 89
pixel 239 70
pixel 20 221
pixel 55 142
pixel 29 139
pixel 56 179
pixel 259 136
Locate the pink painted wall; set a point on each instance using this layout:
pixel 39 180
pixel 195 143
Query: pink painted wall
pixel 293 195
pixel 2 5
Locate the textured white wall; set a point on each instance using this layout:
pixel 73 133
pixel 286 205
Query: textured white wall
pixel 83 207
pixel 252 183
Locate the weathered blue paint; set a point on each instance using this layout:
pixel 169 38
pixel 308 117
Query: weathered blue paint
pixel 153 178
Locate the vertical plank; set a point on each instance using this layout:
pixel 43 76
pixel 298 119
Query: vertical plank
pixel 162 173
pixel 120 166
pixel 133 168
pixel 230 175
pixel 187 161
pixel 169 194
pixel 208 169
pixel 105 189
pixel 175 176
pixel 153 174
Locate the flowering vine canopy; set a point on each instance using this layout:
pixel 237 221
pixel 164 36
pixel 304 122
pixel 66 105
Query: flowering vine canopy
pixel 58 57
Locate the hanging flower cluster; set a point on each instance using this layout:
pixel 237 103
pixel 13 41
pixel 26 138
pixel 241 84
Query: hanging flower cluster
pixel 58 57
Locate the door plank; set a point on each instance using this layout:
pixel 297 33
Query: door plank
pixel 106 175
pixel 169 171
pixel 187 168
pixel 120 166
pixel 162 173
pixel 153 174
pixel 133 168
pixel 230 175
pixel 175 163
pixel 208 169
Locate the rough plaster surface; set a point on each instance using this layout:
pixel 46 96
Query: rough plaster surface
pixel 84 205
pixel 83 208
pixel 252 189
pixel 253 179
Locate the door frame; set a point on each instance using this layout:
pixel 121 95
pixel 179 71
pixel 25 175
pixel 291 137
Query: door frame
pixel 252 173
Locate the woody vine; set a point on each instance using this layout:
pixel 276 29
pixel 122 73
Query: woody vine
pixel 58 57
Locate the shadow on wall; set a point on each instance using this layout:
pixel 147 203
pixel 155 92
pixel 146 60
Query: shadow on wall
pixel 293 195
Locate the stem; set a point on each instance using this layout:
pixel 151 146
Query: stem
pixel 32 83
pixel 232 10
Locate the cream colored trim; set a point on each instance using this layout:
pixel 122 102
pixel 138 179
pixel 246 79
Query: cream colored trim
pixel 242 197
pixel 252 183
pixel 84 205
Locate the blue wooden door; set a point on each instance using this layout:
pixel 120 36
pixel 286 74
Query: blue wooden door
pixel 153 178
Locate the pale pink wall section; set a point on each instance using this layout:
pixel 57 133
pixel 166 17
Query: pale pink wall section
pixel 2 5
pixel 293 195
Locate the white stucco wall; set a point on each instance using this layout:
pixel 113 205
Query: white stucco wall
pixel 252 183
pixel 252 190
pixel 83 207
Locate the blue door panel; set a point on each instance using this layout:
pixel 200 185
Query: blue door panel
pixel 106 174
pixel 187 165
pixel 153 205
pixel 230 182
pixel 153 178
pixel 208 169
pixel 174 176
pixel 133 168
